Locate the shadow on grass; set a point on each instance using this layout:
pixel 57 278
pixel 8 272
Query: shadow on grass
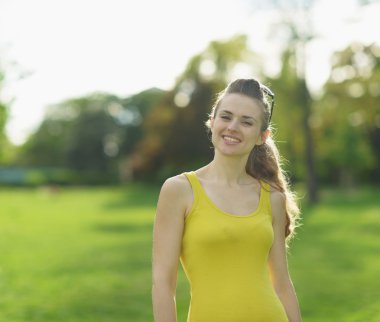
pixel 357 197
pixel 370 229
pixel 136 195
pixel 112 283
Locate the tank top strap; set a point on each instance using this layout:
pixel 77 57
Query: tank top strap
pixel 265 195
pixel 195 186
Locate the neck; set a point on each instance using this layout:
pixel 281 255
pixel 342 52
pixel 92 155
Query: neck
pixel 229 170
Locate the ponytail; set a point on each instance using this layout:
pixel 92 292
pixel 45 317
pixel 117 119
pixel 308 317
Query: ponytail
pixel 264 163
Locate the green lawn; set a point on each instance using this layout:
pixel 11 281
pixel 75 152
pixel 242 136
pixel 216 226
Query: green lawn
pixel 84 254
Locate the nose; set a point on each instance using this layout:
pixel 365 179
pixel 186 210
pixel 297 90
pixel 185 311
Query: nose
pixel 233 125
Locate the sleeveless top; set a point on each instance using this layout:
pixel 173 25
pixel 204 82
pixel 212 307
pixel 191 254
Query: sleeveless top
pixel 225 259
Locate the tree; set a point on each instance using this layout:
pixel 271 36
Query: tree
pixel 348 117
pixel 6 148
pixel 73 134
pixel 300 33
pixel 297 23
pixel 89 134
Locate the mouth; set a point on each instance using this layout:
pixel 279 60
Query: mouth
pixel 230 139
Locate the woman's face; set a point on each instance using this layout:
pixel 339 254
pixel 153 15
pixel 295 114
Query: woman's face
pixel 236 127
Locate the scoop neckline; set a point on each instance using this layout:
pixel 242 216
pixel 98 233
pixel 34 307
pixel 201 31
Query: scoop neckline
pixel 251 214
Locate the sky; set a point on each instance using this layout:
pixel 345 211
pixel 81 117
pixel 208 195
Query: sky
pixel 52 50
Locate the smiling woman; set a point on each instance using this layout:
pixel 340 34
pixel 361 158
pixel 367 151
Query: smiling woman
pixel 229 221
pixel 237 124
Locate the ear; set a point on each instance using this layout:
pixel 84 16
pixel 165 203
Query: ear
pixel 263 137
pixel 211 122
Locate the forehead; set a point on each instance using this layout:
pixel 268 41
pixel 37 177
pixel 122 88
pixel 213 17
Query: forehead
pixel 241 104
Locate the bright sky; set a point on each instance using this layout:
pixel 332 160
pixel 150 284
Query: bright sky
pixel 72 48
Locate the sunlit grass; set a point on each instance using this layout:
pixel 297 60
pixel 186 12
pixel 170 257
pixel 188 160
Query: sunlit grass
pixel 84 254
pixel 76 255
pixel 335 259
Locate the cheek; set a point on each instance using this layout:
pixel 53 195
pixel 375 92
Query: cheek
pixel 217 126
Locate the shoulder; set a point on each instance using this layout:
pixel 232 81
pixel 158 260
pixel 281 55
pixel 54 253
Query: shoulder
pixel 277 197
pixel 278 204
pixel 176 185
pixel 177 190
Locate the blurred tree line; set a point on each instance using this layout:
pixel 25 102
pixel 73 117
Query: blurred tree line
pixel 5 146
pixel 102 138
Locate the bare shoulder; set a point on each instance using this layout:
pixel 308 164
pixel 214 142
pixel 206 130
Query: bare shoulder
pixel 277 197
pixel 278 203
pixel 177 190
pixel 178 185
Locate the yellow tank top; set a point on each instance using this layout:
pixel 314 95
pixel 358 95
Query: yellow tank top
pixel 225 259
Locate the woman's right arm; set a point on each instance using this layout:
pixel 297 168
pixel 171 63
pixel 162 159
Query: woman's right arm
pixel 167 239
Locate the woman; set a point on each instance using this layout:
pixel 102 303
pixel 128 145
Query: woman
pixel 229 221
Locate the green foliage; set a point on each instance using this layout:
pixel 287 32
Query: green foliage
pixel 46 146
pixel 84 255
pixel 287 116
pixel 217 61
pixel 90 134
pixel 4 144
pixel 156 134
pixel 3 117
pixel 347 117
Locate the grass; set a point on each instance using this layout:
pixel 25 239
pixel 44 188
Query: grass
pixel 335 260
pixel 84 254
pixel 77 255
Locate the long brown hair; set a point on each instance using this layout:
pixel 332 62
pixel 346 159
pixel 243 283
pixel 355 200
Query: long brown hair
pixel 264 161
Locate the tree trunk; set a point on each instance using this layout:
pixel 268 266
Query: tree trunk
pixel 312 184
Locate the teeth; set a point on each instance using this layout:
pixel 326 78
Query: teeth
pixel 230 139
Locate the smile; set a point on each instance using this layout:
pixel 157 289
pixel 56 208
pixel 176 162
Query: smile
pixel 230 139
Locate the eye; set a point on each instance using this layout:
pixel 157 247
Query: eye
pixel 247 123
pixel 225 117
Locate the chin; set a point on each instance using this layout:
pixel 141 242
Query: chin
pixel 232 153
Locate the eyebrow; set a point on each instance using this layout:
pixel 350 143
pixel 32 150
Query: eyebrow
pixel 243 116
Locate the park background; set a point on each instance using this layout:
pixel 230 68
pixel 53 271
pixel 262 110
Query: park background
pixel 78 190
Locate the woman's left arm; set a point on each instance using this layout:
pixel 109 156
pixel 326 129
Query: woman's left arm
pixel 278 264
